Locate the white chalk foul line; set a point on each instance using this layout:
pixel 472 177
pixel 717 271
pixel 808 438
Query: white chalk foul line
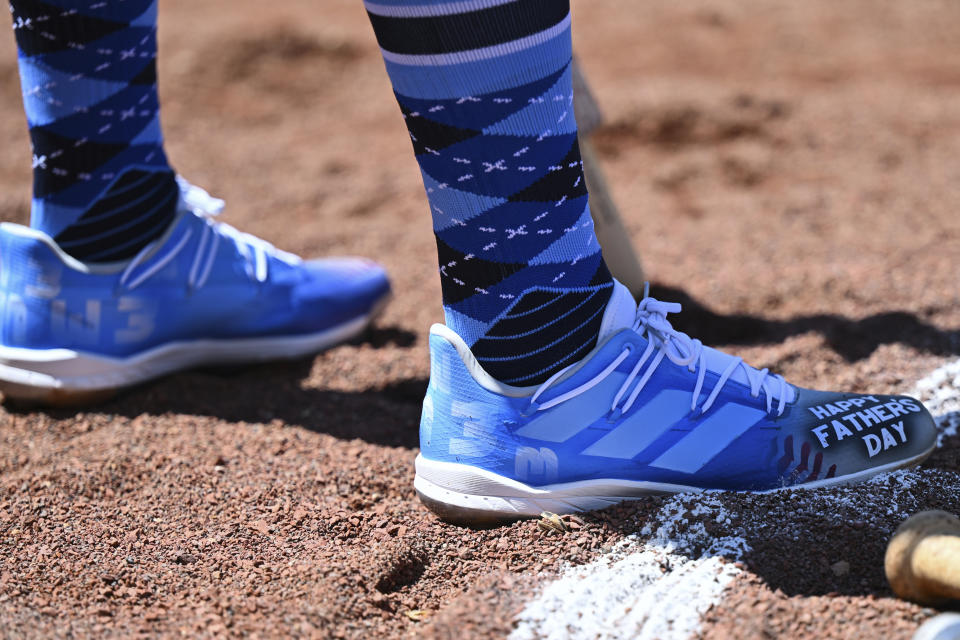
pixel 939 391
pixel 659 583
pixel 654 589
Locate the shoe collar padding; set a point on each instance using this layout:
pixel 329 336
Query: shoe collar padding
pixel 619 315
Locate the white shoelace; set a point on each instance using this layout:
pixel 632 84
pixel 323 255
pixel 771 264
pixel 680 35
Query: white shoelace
pixel 665 341
pixel 254 250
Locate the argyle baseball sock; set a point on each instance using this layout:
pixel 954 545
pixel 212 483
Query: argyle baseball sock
pixel 485 89
pixel 101 183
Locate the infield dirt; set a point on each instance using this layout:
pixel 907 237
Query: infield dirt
pixel 790 172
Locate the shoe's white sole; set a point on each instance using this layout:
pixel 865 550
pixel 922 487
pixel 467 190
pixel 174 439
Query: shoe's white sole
pixel 468 495
pixel 67 377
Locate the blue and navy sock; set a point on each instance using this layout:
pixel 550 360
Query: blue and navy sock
pixel 485 89
pixel 102 187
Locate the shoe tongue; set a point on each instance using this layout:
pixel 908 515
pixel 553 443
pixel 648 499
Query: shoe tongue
pixel 620 313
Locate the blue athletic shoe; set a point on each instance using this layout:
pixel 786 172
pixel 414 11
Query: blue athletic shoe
pixel 650 410
pixel 202 294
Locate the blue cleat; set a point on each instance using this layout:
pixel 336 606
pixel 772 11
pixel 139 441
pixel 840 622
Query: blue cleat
pixel 650 410
pixel 202 294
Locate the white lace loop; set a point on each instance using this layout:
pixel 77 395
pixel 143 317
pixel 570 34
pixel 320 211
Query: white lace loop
pixel 196 201
pixel 679 348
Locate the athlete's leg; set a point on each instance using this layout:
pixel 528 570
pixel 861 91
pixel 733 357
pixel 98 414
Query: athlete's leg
pixel 102 186
pixel 125 276
pixel 485 89
pixel 484 86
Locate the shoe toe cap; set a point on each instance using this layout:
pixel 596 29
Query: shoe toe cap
pixel 344 286
pixel 863 432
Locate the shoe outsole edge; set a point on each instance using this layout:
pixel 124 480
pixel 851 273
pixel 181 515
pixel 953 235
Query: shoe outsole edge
pixel 61 377
pixel 453 492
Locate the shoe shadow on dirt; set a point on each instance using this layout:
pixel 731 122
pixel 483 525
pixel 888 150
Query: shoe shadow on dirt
pixel 829 542
pixel 852 340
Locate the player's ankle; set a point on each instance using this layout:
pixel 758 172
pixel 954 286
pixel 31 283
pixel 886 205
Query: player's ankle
pixel 138 207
